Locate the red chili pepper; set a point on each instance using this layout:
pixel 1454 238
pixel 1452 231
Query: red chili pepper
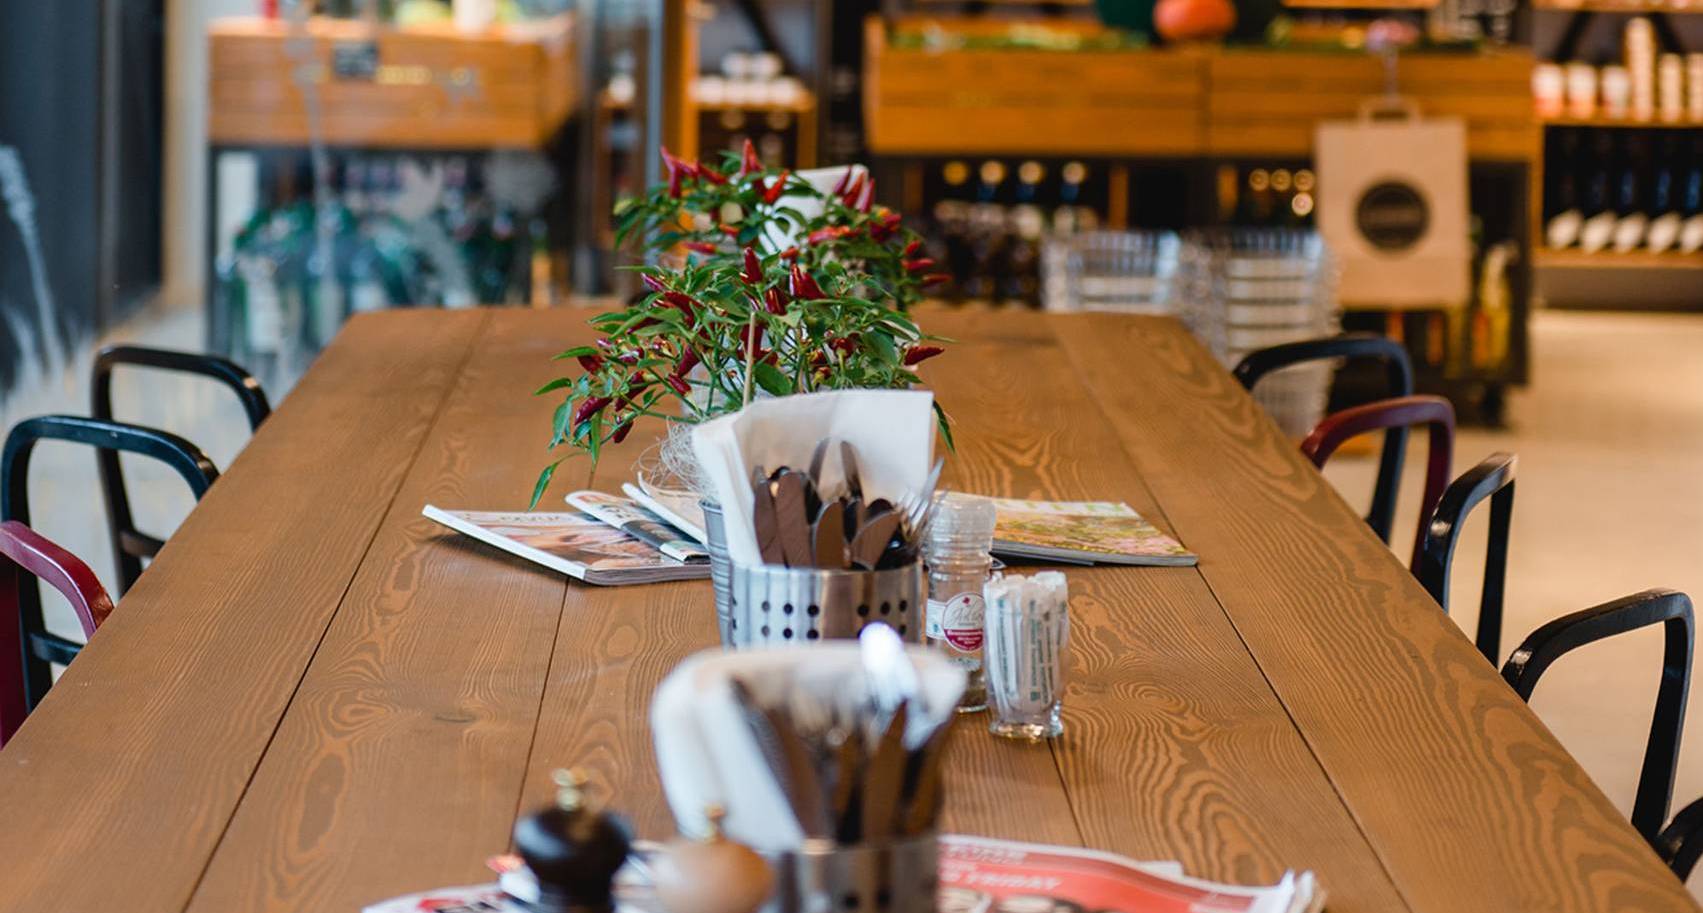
pixel 912 249
pixel 884 226
pixel 683 303
pixel 830 233
pixel 749 163
pixel 804 287
pixel 774 191
pixel 818 358
pixel 678 171
pixel 732 231
pixel 589 408
pixel 867 198
pixel 845 345
pixel 626 358
pixel 700 247
pixel 621 432
pixel 919 265
pixel 591 363
pixel 774 300
pixel 753 271
pixel 936 279
pixel 678 384
pixel 710 174
pixel 844 181
pixel 854 192
pixel 688 360
pixel 653 283
pixel 790 253
pixel 918 354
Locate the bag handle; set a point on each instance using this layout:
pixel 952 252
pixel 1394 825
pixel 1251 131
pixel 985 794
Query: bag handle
pixel 1389 107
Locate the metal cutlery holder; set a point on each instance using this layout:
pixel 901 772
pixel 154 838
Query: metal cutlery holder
pixel 897 876
pixel 768 604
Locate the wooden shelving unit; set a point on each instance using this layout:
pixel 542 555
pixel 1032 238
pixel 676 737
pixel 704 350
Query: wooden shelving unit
pixel 1617 6
pixel 1638 259
pixel 1623 122
pixel 381 87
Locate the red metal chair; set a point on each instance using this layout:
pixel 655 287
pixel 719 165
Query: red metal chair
pixel 1433 412
pixel 25 556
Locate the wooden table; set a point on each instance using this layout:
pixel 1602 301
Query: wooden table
pixel 316 699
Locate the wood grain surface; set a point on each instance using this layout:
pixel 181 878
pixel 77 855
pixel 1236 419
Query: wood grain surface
pixel 118 789
pixel 316 699
pixel 1469 800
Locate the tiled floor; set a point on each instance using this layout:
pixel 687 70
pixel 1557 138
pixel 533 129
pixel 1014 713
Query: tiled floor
pixel 1610 501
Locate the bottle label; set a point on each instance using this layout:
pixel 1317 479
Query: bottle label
pixel 958 622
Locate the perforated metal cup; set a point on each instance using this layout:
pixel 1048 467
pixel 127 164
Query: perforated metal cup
pixel 769 605
pixel 898 876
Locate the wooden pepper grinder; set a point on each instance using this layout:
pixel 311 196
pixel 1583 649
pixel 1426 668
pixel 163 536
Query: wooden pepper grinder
pixel 574 850
pixel 713 875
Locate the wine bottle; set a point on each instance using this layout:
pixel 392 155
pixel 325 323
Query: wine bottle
pixel 1598 228
pixel 1691 230
pixel 1632 199
pixel 1562 195
pixel 1665 218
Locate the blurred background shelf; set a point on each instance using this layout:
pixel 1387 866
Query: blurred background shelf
pixel 1616 6
pixel 1578 259
pixel 381 87
pixel 1623 122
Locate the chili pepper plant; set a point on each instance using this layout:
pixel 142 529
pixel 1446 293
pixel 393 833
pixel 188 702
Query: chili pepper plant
pixel 749 296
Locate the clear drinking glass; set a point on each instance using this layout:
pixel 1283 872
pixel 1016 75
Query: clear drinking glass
pixel 1028 636
pixel 1129 271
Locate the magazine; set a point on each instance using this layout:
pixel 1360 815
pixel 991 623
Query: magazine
pixel 977 875
pixel 682 513
pixel 639 523
pixel 1082 532
pixel 575 544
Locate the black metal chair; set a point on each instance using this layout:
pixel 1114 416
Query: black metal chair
pixel 1398 372
pixel 182 456
pixel 1673 612
pixel 1681 842
pixel 1494 479
pixel 128 543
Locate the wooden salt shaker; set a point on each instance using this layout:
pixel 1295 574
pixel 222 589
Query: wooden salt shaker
pixel 713 875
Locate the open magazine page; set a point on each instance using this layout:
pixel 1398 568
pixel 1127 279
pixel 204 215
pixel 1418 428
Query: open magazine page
pixel 997 876
pixel 1103 532
pixel 575 544
pixel 634 520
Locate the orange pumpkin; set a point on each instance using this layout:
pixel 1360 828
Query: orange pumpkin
pixel 1194 20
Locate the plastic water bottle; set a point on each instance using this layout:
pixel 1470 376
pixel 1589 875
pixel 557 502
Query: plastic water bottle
pixel 958 562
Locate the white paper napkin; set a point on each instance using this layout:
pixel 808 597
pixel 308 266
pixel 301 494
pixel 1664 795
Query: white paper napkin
pixel 892 430
pixel 707 755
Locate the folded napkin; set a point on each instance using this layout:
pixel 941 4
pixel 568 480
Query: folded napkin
pixel 892 431
pixel 707 754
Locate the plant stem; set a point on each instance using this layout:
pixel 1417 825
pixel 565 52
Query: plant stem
pixel 750 356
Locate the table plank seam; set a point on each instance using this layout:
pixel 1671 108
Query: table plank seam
pixel 278 724
pixel 543 696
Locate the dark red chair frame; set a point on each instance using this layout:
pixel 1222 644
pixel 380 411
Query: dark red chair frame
pixel 1434 412
pixel 26 556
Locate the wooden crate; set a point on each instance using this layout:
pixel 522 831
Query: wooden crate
pixel 380 87
pixel 1036 102
pixel 1267 103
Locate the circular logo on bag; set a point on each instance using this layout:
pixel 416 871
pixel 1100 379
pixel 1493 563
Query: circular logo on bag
pixel 1392 215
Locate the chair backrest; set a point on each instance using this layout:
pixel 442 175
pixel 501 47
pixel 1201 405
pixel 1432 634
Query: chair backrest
pixel 130 544
pixel 1493 479
pixel 1680 844
pixel 182 456
pixel 1672 611
pixel 1398 377
pixel 1401 413
pixel 26 556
